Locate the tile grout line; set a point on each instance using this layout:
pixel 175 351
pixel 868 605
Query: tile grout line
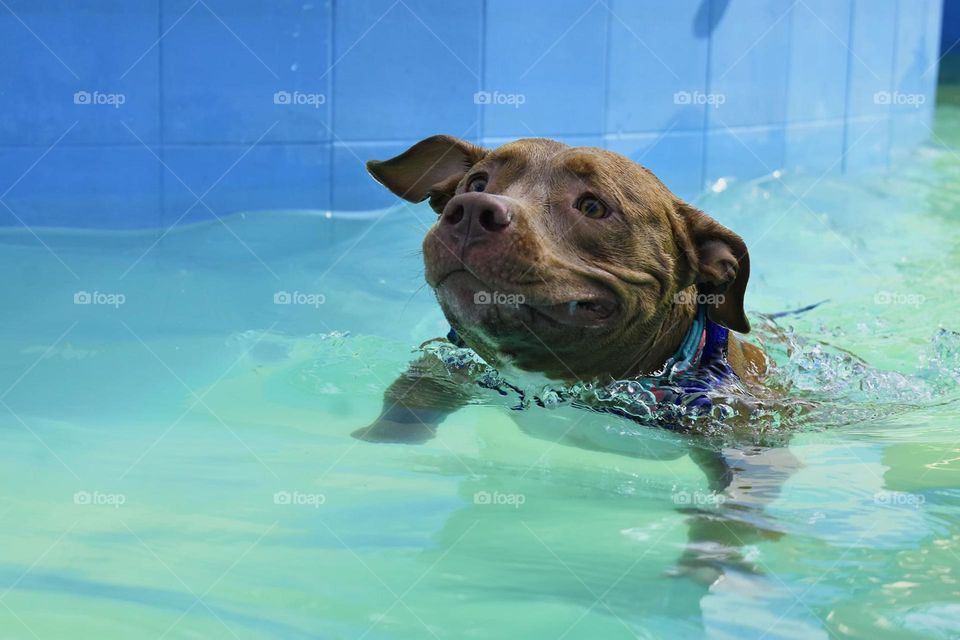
pixel 481 124
pixel 331 116
pixel 851 31
pixel 161 114
pixel 608 53
pixel 703 187
pixel 891 88
pixel 791 23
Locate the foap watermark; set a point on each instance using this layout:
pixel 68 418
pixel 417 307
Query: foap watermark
pixel 698 298
pixel 498 297
pixel 684 498
pixel 899 499
pixel 515 500
pixel 99 298
pixel 514 100
pixel 115 100
pixel 299 298
pixel 699 98
pixel 896 298
pixel 299 98
pixel 899 99
pixel 298 499
pixel 99 499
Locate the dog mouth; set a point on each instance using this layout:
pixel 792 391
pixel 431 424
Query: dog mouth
pixel 582 307
pixel 575 312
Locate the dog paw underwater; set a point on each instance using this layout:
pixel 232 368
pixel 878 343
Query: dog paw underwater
pixel 809 385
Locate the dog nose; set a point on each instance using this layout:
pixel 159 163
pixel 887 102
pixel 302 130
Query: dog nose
pixel 491 213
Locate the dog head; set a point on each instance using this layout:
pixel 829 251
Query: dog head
pixel 574 262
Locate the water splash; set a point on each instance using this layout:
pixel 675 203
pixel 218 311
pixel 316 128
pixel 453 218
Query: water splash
pixel 940 365
pixel 810 385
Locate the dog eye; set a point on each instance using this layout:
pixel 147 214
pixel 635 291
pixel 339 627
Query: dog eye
pixel 593 207
pixel 477 183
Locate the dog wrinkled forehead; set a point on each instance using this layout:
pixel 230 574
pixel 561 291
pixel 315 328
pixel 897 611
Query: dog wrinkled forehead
pixel 529 150
pixel 541 161
pixel 527 159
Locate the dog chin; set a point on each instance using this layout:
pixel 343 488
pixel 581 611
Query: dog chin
pixel 501 312
pixel 519 340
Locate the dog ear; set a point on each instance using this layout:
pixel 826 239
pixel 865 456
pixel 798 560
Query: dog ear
pixel 431 168
pixel 719 265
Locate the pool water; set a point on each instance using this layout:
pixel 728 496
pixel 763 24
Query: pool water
pixel 176 458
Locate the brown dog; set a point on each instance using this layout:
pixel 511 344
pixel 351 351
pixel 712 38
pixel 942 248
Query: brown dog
pixel 572 262
pixel 580 265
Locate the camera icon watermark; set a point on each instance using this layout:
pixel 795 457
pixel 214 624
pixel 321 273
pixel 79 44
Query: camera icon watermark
pixel 695 297
pixel 895 298
pixel 497 98
pixel 115 100
pixel 298 499
pixel 896 98
pixel 299 298
pixel 899 498
pixel 496 498
pixel 699 98
pixel 498 297
pixel 99 499
pixel 299 98
pixel 683 498
pixel 99 298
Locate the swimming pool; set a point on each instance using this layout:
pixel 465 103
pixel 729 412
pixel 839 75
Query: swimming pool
pixel 177 459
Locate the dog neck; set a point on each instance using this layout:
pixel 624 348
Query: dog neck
pixel 663 336
pixel 642 351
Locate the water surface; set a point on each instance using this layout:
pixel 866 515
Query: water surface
pixel 177 463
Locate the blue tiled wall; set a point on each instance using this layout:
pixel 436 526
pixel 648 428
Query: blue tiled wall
pixel 236 105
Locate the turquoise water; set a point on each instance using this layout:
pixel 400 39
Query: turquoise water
pixel 177 460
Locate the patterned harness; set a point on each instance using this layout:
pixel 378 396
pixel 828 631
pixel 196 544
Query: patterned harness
pixel 699 366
